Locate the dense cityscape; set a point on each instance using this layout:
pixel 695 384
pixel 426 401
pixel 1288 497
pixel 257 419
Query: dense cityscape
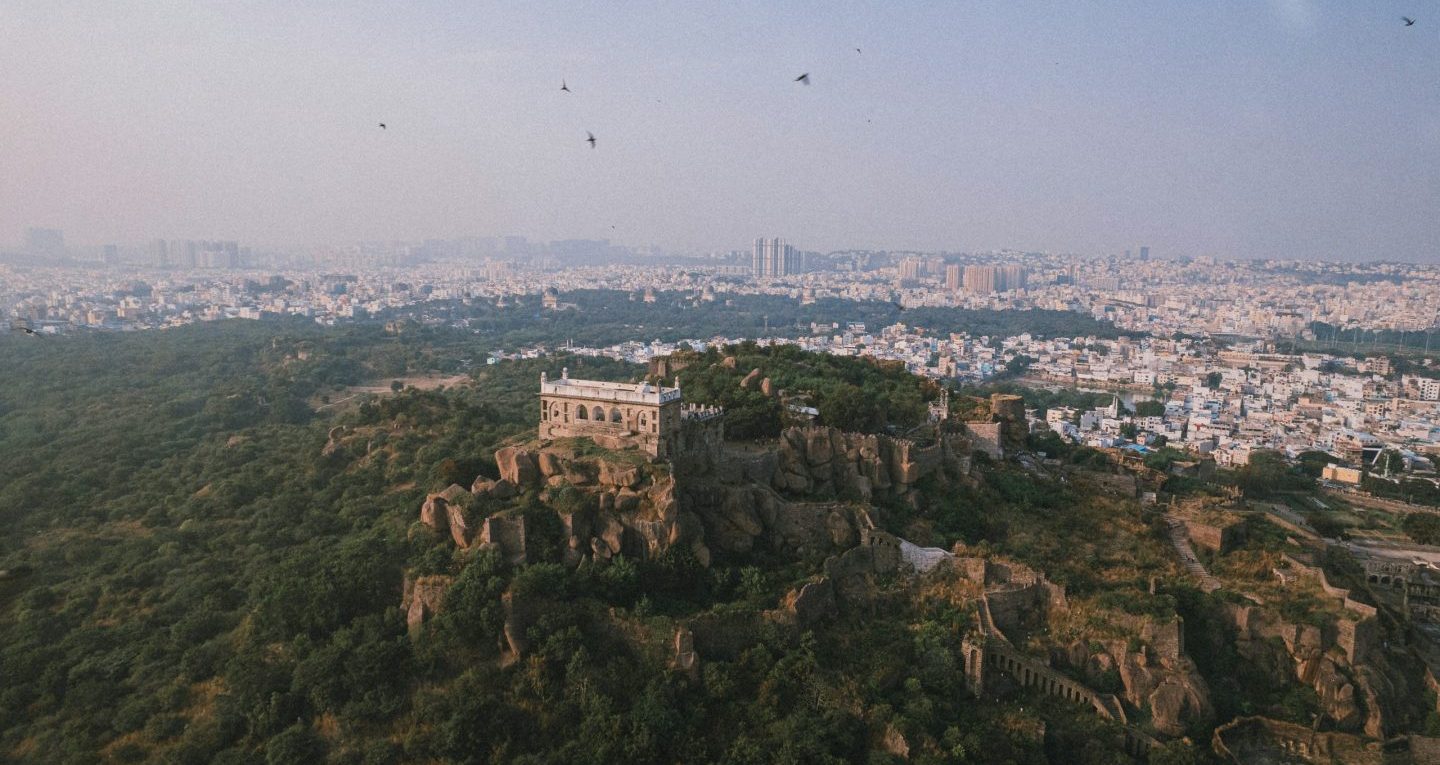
pixel 1219 345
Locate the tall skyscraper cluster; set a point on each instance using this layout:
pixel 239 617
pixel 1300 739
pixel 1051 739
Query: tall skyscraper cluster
pixel 188 253
pixel 773 257
pixel 984 280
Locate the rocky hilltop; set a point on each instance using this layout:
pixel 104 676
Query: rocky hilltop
pixel 808 496
pixel 827 504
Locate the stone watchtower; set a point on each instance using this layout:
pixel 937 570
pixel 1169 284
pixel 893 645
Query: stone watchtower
pixel 613 415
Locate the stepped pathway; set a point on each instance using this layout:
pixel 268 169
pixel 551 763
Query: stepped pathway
pixel 1181 540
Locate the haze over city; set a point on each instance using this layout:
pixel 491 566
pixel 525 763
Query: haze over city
pixel 1236 130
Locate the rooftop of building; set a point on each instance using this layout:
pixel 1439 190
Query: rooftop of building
pixel 600 390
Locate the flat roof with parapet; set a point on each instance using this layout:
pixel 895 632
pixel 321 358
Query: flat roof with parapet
pixel 599 390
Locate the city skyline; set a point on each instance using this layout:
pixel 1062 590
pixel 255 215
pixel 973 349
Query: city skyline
pixel 1273 130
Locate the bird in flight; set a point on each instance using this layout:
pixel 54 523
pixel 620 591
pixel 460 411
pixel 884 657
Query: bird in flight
pixel 591 139
pixel 382 126
pixel 805 78
pixel 564 87
pixel 1409 22
pixel 28 331
pixel 857 50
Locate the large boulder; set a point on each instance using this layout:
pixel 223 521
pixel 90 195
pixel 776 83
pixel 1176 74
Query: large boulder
pixel 517 466
pixel 618 475
pixel 731 522
pixel 627 500
pixel 520 615
pixel 1167 705
pixel 422 599
pixel 433 513
pixel 819 446
pixel 444 511
pixel 551 463
pixel 460 528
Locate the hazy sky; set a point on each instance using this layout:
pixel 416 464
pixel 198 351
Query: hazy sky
pixel 1246 128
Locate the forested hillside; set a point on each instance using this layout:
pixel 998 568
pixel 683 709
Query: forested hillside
pixel 196 571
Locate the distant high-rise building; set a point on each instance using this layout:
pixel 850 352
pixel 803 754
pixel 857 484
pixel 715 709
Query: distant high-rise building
pixel 1012 277
pixel 912 268
pixel 954 277
pixel 773 257
pixel 159 253
pixel 984 280
pixel 45 242
pixel 980 280
pixel 1145 253
pixel 184 253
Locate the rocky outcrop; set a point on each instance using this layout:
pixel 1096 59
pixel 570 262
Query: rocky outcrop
pixel 1365 695
pixel 685 660
pixel 1171 688
pixel 422 599
pixel 829 462
pixel 751 379
pixel 520 615
pixel 445 511
pixel 853 572
pixel 811 603
pixel 894 743
pixel 621 503
pixel 517 465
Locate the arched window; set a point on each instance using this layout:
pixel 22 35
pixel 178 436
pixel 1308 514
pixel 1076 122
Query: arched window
pixel 615 414
pixel 555 412
pixel 581 413
pixel 599 414
pixel 642 420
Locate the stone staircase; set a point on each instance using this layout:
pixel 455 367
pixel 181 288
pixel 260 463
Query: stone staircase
pixel 1181 540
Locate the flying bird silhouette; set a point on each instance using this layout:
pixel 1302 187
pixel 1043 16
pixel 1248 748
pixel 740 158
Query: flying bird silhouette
pixel 1409 22
pixel 564 87
pixel 28 331
pixel 857 50
pixel 805 78
pixel 382 126
pixel 591 139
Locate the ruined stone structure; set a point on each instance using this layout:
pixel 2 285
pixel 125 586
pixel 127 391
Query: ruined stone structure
pixel 1009 410
pixel 613 415
pixel 1406 577
pixel 986 654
